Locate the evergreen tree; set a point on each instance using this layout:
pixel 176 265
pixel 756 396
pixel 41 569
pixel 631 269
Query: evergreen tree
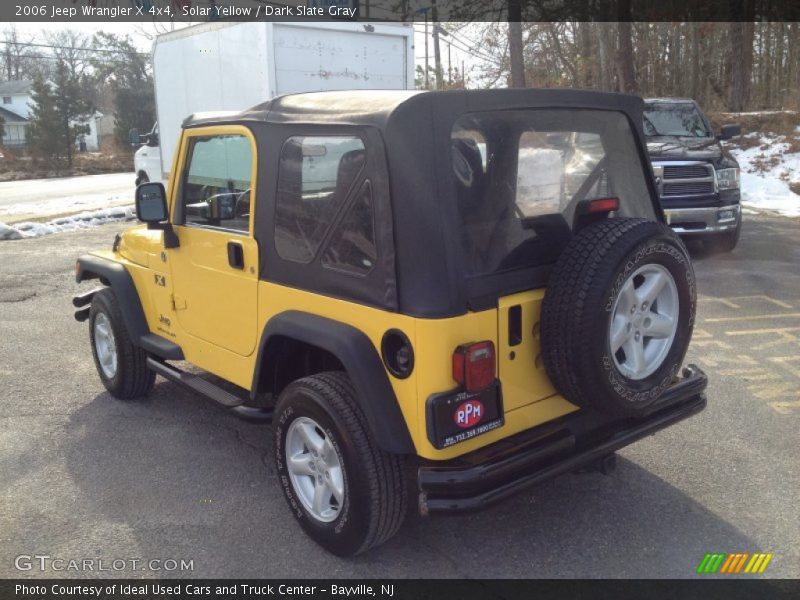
pixel 58 116
pixel 129 75
pixel 44 132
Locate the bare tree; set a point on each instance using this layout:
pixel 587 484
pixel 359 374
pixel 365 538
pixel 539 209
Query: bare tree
pixel 72 49
pixel 723 65
pixel 739 77
pixel 515 50
pixel 625 70
pixel 17 56
pixel 605 43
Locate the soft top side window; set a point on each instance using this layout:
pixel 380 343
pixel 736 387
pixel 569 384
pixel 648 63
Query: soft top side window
pixel 315 177
pixel 352 246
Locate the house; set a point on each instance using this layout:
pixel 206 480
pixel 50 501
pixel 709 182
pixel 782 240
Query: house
pixel 15 108
pixel 13 129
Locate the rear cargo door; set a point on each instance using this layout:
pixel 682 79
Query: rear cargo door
pixel 518 351
pixel 315 59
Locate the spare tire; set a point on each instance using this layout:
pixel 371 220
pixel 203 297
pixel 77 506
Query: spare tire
pixel 618 315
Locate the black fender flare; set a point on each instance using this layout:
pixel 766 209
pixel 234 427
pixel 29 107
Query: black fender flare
pixel 360 359
pixel 116 276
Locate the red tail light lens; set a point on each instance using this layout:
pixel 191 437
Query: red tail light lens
pixel 474 366
pixel 603 205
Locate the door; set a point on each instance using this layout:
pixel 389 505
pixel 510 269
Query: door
pixel 215 267
pixel 313 58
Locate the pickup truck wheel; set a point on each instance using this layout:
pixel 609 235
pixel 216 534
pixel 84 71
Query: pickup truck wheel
pixel 142 178
pixel 121 365
pixel 726 242
pixel 347 494
pixel 618 315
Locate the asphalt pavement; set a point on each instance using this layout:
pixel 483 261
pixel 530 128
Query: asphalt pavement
pixel 173 477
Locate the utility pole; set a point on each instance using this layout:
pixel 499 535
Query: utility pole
pixel 437 55
pixel 449 67
pixel 427 78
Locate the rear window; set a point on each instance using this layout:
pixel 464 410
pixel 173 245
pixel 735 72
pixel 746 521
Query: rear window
pixel 519 176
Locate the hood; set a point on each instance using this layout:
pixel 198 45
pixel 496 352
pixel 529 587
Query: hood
pixel 687 148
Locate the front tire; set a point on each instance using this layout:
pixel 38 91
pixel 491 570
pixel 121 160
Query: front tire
pixel 726 242
pixel 347 494
pixel 121 365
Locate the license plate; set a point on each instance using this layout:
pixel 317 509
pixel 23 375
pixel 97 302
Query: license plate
pixel 455 417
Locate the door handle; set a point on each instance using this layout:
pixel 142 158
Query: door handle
pixel 235 255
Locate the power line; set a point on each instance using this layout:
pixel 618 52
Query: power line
pixel 56 47
pixel 51 57
pixel 463 46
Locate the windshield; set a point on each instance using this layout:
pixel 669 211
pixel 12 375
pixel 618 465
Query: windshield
pixel 673 119
pixel 520 175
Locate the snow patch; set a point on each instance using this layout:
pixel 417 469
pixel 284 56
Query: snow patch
pixel 65 204
pixel 767 171
pixel 85 220
pixel 770 194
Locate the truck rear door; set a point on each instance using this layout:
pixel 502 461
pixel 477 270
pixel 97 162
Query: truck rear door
pixel 309 59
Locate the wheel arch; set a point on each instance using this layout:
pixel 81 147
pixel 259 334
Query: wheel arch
pixel 115 275
pixel 358 357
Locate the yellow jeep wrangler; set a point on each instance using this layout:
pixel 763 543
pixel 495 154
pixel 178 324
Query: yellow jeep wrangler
pixel 476 287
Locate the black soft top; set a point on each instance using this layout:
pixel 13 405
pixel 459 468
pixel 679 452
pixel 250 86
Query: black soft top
pixel 378 108
pixel 426 276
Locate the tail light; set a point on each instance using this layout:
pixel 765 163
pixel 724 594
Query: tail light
pixel 474 366
pixel 603 205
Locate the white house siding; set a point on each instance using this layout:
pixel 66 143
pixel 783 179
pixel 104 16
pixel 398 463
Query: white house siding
pixel 19 104
pixel 92 139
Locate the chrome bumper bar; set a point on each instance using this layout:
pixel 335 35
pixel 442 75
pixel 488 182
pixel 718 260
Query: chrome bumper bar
pixel 712 219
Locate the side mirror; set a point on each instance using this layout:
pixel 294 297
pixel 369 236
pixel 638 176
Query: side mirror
pixel 134 137
pixel 151 203
pixel 729 131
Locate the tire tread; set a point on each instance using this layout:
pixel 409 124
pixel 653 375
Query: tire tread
pixel 137 379
pixel 565 309
pixel 385 472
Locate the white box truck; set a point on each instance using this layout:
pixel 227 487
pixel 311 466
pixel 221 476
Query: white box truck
pixel 222 66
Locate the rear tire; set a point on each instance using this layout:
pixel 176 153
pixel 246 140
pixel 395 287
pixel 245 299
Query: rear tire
pixel 142 178
pixel 618 315
pixel 366 500
pixel 121 365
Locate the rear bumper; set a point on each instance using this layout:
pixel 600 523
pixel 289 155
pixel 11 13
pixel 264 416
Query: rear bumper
pixel 496 472
pixel 705 220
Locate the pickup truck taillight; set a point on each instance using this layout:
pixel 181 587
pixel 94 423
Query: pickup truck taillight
pixel 474 365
